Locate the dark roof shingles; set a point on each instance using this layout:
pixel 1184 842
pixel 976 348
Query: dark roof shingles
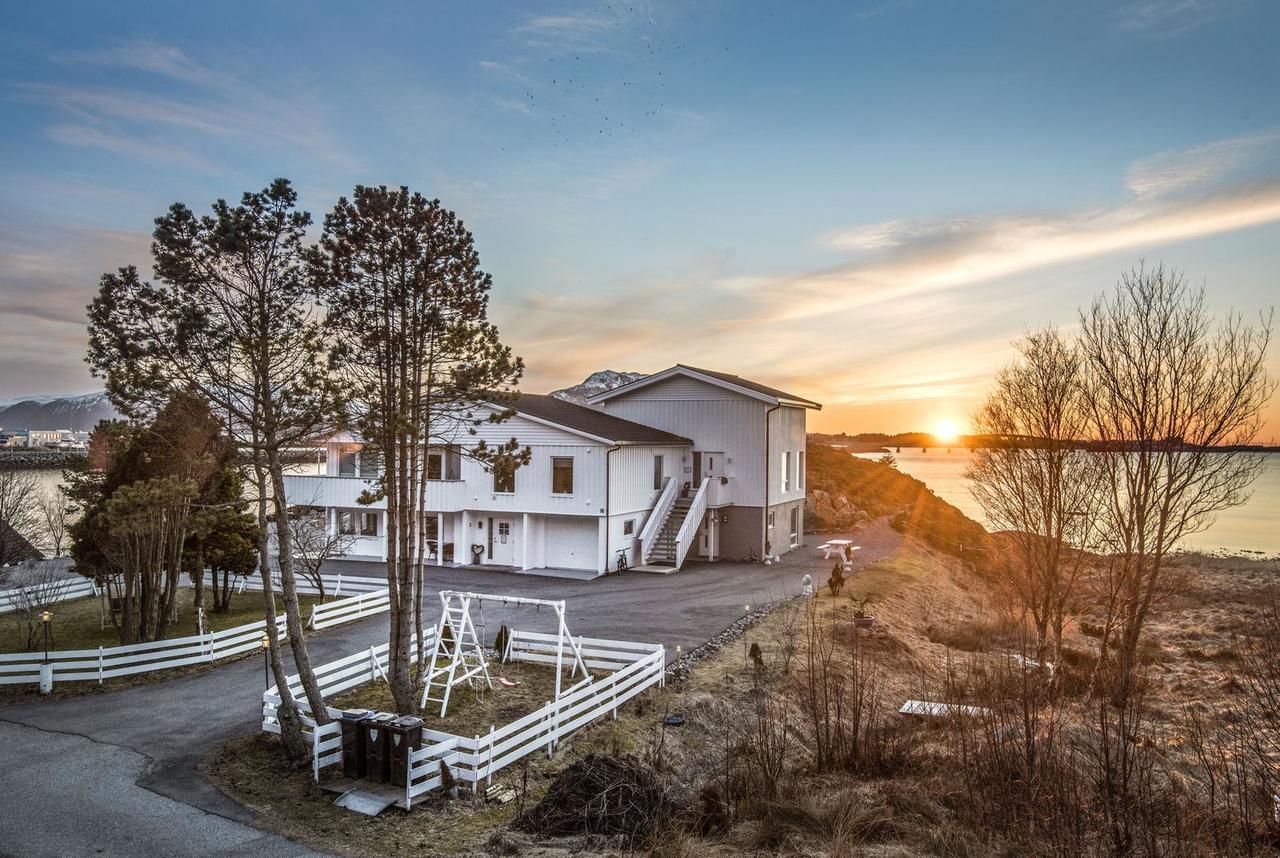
pixel 592 421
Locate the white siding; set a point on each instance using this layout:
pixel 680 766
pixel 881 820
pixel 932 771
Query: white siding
pixel 631 476
pixel 786 435
pixel 716 419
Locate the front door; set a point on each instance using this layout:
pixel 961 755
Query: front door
pixel 709 465
pixel 502 541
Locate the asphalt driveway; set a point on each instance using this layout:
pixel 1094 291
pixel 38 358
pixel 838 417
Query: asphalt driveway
pixel 115 773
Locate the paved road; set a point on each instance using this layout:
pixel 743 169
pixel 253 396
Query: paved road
pixel 115 773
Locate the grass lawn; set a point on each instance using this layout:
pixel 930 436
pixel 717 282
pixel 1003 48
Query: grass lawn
pixel 77 624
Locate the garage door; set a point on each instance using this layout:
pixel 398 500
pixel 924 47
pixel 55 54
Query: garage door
pixel 571 542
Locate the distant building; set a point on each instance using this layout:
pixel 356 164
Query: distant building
pixel 13 438
pixel 37 438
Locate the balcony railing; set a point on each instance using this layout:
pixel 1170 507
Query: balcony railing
pixel 329 491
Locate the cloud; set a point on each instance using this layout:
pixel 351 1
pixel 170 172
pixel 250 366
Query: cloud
pixel 141 123
pixel 1178 170
pixel 1167 18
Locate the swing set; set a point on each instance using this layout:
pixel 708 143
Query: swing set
pixel 458 655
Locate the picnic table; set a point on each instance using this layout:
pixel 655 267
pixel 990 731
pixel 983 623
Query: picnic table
pixel 837 547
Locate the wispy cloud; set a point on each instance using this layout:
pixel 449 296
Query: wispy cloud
pixel 1168 18
pixel 145 123
pixel 1178 170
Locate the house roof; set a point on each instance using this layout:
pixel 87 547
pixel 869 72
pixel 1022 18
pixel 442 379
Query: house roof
pixel 590 421
pixel 14 547
pixel 737 383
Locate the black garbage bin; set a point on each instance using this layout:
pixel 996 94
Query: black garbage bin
pixel 375 746
pixel 403 734
pixel 353 762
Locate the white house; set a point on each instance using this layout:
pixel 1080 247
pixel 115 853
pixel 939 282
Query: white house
pixel 688 480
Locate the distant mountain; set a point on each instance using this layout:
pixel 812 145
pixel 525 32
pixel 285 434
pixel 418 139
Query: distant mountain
pixel 597 382
pixel 56 412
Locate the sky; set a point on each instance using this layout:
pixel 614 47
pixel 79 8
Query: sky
pixel 859 202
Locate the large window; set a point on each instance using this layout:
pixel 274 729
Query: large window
pixel 504 481
pixel 348 463
pixel 435 466
pixel 359 463
pixel 369 464
pixel 368 524
pixel 786 471
pixel 562 475
pixel 353 523
pixel 800 471
pixel 347 523
pixel 657 473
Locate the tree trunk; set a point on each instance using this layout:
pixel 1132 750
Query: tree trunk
pixel 197 577
pixel 289 591
pixel 295 746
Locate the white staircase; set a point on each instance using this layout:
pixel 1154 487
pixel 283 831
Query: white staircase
pixel 458 655
pixel 673 534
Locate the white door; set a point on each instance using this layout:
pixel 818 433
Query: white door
pixel 712 465
pixel 502 541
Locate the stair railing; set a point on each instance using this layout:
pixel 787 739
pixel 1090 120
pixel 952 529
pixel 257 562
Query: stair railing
pixel 653 525
pixel 692 521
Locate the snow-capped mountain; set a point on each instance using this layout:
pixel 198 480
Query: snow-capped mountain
pixel 56 412
pixel 597 382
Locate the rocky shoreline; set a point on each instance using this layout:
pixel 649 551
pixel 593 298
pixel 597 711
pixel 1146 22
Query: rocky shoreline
pixel 41 459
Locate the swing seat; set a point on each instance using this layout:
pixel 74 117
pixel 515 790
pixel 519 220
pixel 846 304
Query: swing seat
pixel 507 683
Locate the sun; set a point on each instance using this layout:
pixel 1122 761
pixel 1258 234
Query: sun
pixel 946 430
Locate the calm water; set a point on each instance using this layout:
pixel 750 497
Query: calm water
pixel 1254 527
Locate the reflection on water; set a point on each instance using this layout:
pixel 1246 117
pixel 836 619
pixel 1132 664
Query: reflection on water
pixel 1251 528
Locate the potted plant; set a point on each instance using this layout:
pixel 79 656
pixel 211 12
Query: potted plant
pixel 862 619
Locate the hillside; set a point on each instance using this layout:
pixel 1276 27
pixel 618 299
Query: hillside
pixel 56 412
pixel 845 490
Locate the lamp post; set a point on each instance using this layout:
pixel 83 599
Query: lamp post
pixel 266 661
pixel 45 616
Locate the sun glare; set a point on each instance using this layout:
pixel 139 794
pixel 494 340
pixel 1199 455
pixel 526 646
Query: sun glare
pixel 946 430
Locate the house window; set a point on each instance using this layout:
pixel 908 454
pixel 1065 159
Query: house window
pixel 369 464
pixel 435 466
pixel 368 524
pixel 504 481
pixel 800 471
pixel 347 464
pixel 347 523
pixel 771 518
pixel 562 475
pixel 629 527
pixel 786 471
pixel 657 473
pixel 504 531
pixel 795 526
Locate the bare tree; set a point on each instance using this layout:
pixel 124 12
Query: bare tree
pixel 1172 398
pixel 35 588
pixel 314 545
pixel 20 509
pixel 1037 482
pixel 56 515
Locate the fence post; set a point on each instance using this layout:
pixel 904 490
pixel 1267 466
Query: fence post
pixel 337 591
pixel 475 773
pixel 408 779
pixel 488 768
pixel 311 621
pixel 551 733
pixel 99 665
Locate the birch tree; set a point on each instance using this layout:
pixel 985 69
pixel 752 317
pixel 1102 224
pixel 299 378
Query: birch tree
pixel 1173 398
pixel 231 319
pixel 408 303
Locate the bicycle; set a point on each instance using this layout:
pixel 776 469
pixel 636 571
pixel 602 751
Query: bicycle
pixel 621 565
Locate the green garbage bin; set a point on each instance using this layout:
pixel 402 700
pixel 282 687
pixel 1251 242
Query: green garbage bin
pixel 403 735
pixel 353 761
pixel 375 746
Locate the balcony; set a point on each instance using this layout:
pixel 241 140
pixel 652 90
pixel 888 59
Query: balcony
pixel 721 491
pixel 327 491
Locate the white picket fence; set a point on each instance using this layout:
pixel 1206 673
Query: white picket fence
pixel 633 667
pixel 334 585
pixel 71 587
pixel 106 662
pixel 355 607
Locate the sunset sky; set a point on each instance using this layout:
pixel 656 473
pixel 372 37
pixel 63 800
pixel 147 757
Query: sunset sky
pixel 859 202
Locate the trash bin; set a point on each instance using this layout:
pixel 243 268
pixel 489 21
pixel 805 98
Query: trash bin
pixel 403 734
pixel 353 762
pixel 375 746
